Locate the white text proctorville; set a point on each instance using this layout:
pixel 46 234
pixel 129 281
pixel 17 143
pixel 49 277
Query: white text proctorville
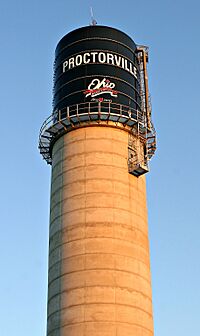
pixel 100 58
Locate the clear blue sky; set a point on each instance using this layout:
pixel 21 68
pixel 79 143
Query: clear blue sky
pixel 29 32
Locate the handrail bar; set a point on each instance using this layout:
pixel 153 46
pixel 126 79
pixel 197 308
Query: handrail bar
pixel 56 122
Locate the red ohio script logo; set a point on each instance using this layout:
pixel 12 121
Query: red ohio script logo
pixel 99 87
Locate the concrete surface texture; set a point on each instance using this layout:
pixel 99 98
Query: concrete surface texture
pixel 99 271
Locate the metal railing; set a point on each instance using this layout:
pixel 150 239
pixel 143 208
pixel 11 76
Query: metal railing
pixel 62 121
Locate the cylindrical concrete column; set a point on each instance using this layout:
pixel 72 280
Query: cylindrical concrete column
pixel 99 273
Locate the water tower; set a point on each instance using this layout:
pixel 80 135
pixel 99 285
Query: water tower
pixel 99 140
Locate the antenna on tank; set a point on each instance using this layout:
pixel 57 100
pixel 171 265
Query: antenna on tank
pixel 93 21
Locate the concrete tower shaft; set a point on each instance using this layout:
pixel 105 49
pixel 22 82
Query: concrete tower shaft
pixel 99 140
pixel 99 271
